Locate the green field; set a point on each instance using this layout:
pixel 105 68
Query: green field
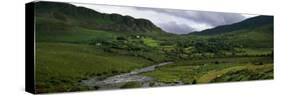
pixel 215 70
pixel 62 63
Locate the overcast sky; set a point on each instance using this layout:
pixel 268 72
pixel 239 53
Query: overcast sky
pixel 174 21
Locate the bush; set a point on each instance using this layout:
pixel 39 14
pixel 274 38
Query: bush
pixel 96 87
pixel 258 63
pixel 114 72
pixel 121 38
pixel 194 82
pixel 217 62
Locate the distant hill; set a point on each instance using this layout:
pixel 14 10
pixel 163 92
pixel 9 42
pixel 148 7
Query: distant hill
pixel 250 23
pixel 256 32
pixel 65 15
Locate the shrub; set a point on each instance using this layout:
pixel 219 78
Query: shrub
pixel 194 82
pixel 217 62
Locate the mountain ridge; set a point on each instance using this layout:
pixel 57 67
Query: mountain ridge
pixel 92 19
pixel 245 24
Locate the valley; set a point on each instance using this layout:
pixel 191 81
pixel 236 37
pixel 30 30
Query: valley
pixel 79 49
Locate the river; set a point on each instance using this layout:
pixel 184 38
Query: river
pixel 118 80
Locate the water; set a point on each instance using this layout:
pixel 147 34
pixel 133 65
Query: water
pixel 118 80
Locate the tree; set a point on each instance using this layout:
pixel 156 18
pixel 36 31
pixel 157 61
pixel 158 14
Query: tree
pixel 121 38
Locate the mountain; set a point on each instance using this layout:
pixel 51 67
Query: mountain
pixel 68 15
pixel 250 23
pixel 256 32
pixel 65 22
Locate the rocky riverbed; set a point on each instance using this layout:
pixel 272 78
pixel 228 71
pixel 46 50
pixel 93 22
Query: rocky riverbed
pixel 117 81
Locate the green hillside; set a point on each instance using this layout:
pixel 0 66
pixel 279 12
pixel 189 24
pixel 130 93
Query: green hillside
pixel 75 43
pixel 250 23
pixel 66 15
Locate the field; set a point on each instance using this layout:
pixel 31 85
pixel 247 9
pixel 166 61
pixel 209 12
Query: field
pixel 60 63
pixel 214 70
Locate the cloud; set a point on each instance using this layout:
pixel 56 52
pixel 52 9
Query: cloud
pixel 173 27
pixel 174 21
pixel 210 18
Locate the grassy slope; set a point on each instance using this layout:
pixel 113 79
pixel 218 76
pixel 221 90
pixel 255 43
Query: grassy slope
pixel 211 76
pixel 204 71
pixel 60 64
pixel 260 37
pixel 65 57
pixel 51 30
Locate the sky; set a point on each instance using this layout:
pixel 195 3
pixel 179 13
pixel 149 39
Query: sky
pixel 171 20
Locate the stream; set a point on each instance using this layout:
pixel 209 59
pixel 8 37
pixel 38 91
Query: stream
pixel 117 81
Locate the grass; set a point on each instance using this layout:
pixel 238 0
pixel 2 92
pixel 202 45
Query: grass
pixel 204 71
pixel 209 76
pixel 132 84
pixel 248 72
pixel 255 51
pixel 150 42
pixel 169 74
pixel 60 64
pixel 75 35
